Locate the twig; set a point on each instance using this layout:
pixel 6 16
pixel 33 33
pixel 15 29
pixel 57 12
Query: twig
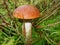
pixel 53 24
pixel 49 25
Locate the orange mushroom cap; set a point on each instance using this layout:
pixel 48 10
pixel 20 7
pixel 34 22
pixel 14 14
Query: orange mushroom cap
pixel 26 12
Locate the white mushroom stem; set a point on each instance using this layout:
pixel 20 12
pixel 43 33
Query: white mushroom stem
pixel 28 26
pixel 27 31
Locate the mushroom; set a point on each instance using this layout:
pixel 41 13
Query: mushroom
pixel 26 13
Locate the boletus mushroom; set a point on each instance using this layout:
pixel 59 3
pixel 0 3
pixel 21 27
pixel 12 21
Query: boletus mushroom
pixel 26 13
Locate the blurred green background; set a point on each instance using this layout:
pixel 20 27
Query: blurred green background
pixel 45 31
